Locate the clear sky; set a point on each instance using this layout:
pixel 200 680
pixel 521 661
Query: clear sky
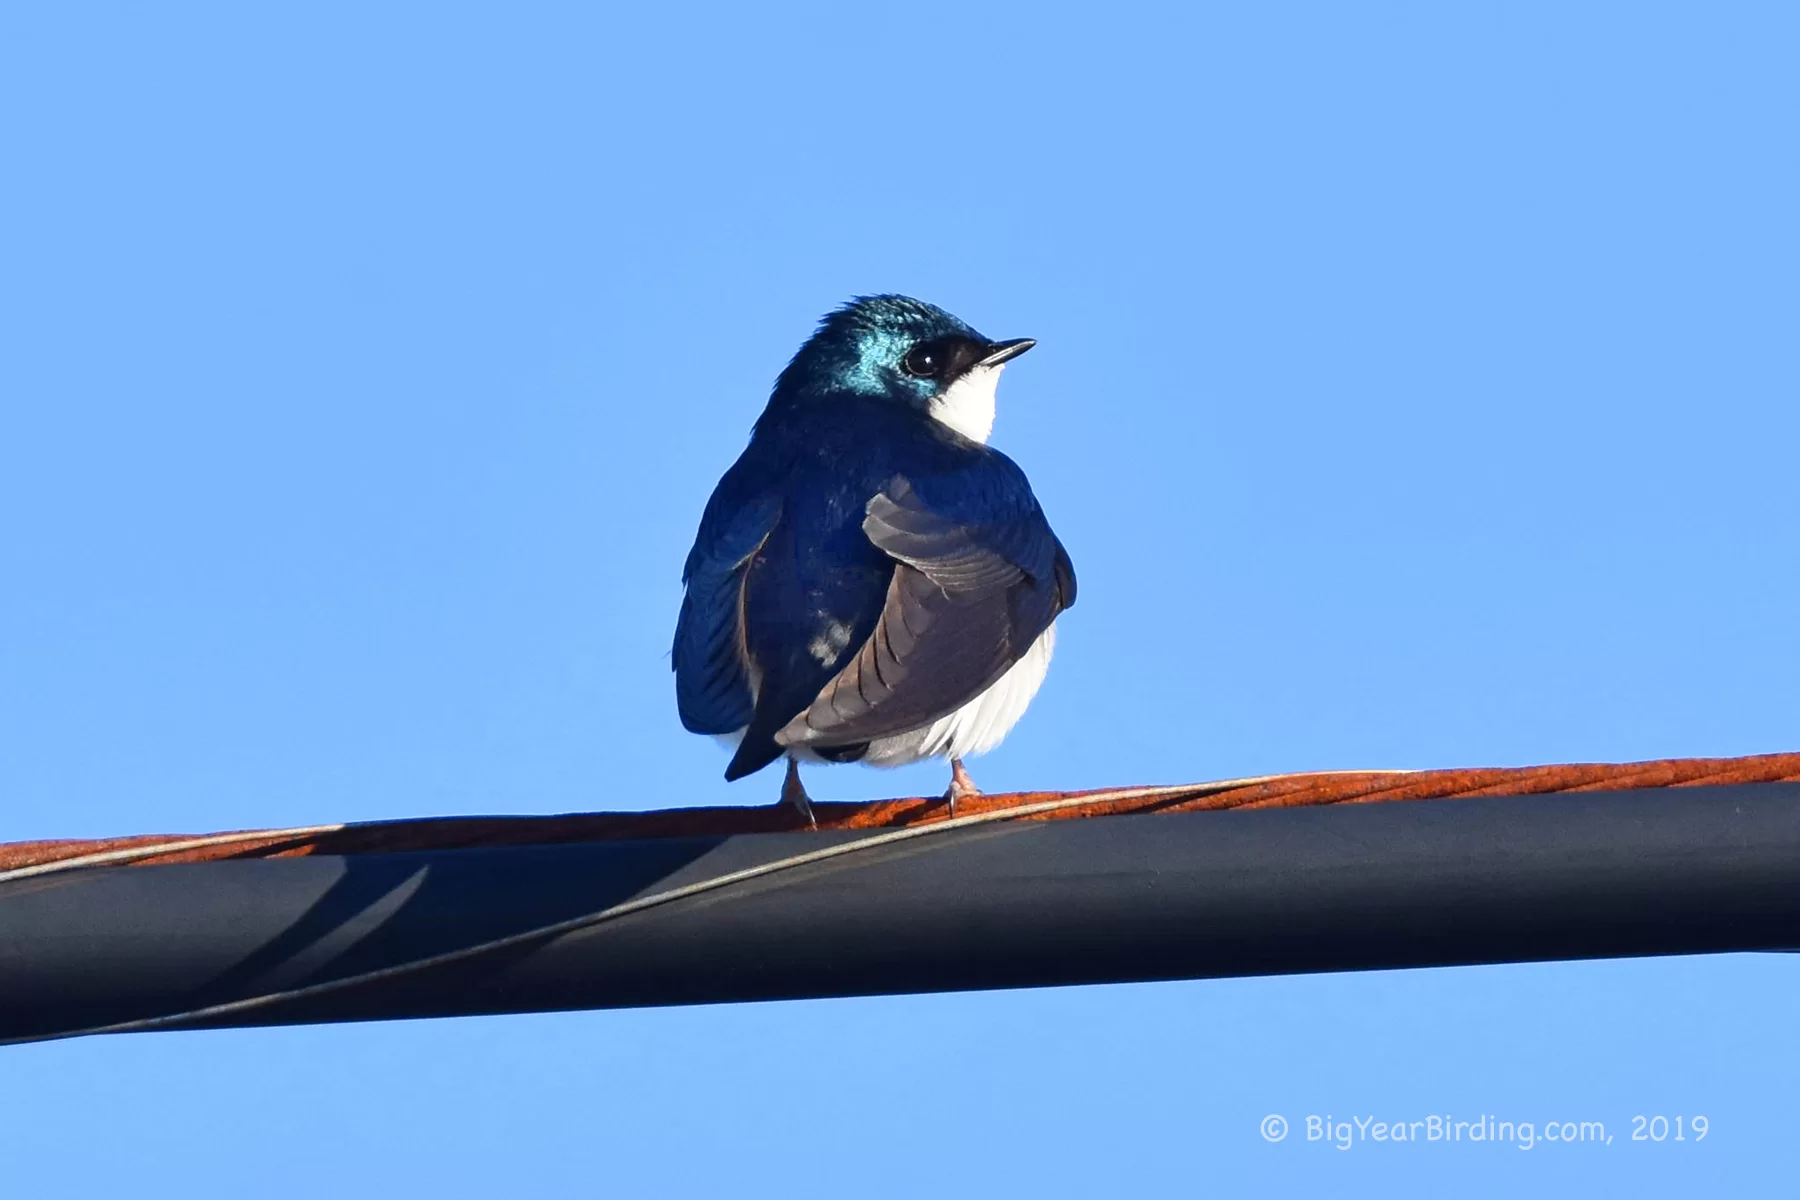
pixel 1416 387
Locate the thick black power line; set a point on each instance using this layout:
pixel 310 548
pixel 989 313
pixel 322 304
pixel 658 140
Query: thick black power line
pixel 1010 904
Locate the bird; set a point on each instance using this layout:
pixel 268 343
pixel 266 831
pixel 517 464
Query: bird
pixel 871 581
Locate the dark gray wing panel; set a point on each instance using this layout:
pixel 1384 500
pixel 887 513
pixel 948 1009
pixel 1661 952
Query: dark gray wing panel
pixel 971 592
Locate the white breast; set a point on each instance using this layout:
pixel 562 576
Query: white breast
pixel 967 405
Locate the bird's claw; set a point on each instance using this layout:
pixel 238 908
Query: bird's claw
pixel 961 786
pixel 793 792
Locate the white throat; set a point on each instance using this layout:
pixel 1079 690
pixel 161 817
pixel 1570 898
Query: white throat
pixel 967 405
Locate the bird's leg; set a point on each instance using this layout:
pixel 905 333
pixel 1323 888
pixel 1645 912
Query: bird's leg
pixel 794 792
pixel 961 786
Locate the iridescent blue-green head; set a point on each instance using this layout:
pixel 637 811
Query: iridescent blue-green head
pixel 905 350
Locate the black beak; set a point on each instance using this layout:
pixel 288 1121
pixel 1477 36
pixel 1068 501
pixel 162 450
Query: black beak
pixel 999 352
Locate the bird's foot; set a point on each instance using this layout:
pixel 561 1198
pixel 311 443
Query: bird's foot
pixel 794 792
pixel 961 786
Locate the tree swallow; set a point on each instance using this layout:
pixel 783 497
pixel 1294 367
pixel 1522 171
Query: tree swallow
pixel 871 581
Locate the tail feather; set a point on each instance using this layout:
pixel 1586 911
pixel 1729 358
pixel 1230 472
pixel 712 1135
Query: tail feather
pixel 756 751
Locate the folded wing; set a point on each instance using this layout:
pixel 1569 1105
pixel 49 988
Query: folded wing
pixel 979 576
pixel 712 681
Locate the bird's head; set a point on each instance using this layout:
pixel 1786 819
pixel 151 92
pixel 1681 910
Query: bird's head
pixel 907 351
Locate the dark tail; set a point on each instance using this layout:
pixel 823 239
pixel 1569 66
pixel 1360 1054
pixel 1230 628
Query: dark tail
pixel 756 751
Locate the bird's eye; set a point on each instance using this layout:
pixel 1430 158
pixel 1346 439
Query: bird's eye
pixel 924 360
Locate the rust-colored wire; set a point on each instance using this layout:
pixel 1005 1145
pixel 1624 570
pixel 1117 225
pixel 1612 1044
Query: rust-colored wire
pixel 1335 787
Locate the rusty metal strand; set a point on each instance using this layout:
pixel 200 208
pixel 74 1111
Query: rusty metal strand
pixel 1345 787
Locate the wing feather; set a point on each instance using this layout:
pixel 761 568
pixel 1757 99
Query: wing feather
pixel 978 577
pixel 713 688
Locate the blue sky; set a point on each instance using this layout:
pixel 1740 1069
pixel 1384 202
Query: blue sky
pixel 1416 387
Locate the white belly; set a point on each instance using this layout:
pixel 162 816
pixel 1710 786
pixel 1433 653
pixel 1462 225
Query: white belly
pixel 977 726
